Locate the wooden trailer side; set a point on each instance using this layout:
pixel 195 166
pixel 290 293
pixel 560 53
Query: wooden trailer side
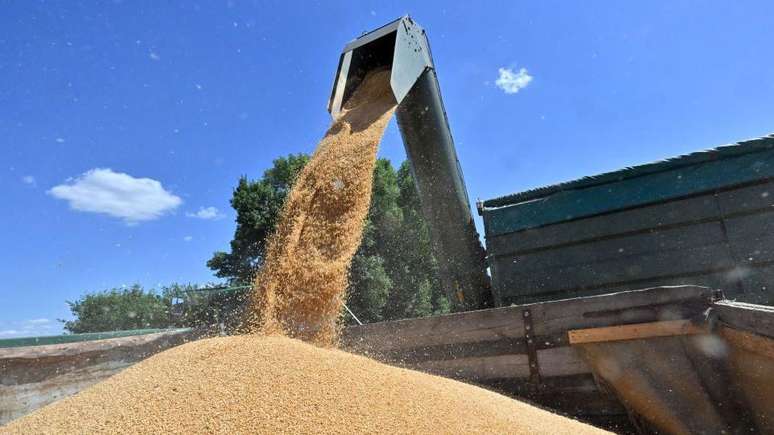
pixel 523 351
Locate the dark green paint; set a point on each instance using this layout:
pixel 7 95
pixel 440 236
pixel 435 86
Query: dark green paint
pixel 686 175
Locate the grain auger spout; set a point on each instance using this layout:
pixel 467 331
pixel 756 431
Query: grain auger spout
pixel 403 47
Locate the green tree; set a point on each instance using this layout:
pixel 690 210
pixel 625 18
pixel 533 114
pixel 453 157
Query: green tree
pixel 370 281
pixel 257 204
pixel 369 287
pixel 416 289
pixel 119 309
pixel 394 273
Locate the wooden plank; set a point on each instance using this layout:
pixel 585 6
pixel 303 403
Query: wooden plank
pixel 497 326
pixel 757 319
pixel 654 216
pixel 746 199
pixel 751 375
pixel 561 361
pixel 577 395
pixel 703 259
pixel 707 233
pixel 583 383
pixel 640 306
pixel 474 326
pixel 750 342
pixel 410 355
pixel 475 369
pixel 634 332
pixel 657 379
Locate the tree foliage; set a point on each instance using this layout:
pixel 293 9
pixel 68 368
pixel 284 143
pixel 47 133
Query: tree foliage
pixel 394 274
pixel 118 309
pixel 176 305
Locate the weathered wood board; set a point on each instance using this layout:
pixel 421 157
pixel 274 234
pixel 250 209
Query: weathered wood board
pixel 711 374
pixel 491 348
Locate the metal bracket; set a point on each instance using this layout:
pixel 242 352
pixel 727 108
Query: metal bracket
pixel 529 341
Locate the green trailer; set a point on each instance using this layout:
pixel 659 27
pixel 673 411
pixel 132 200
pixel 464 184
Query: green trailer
pixel 705 218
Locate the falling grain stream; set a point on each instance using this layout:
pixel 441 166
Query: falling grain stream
pixel 301 288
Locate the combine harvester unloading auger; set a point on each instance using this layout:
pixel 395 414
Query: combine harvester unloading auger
pixel 403 47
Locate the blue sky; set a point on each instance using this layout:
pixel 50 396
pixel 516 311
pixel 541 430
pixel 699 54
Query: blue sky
pixel 170 103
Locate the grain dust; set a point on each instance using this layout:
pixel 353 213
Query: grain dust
pixel 272 385
pixel 301 287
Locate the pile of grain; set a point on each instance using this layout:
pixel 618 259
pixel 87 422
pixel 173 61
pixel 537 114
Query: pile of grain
pixel 301 288
pixel 253 384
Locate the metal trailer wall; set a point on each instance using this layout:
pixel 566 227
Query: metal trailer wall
pixel 702 219
pixel 32 376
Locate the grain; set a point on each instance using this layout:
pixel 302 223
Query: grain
pixel 301 287
pixel 254 384
pixel 269 383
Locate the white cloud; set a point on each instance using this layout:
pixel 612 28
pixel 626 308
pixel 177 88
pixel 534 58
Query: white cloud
pixel 117 194
pixel 511 82
pixel 29 180
pixel 187 238
pixel 9 333
pixel 206 213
